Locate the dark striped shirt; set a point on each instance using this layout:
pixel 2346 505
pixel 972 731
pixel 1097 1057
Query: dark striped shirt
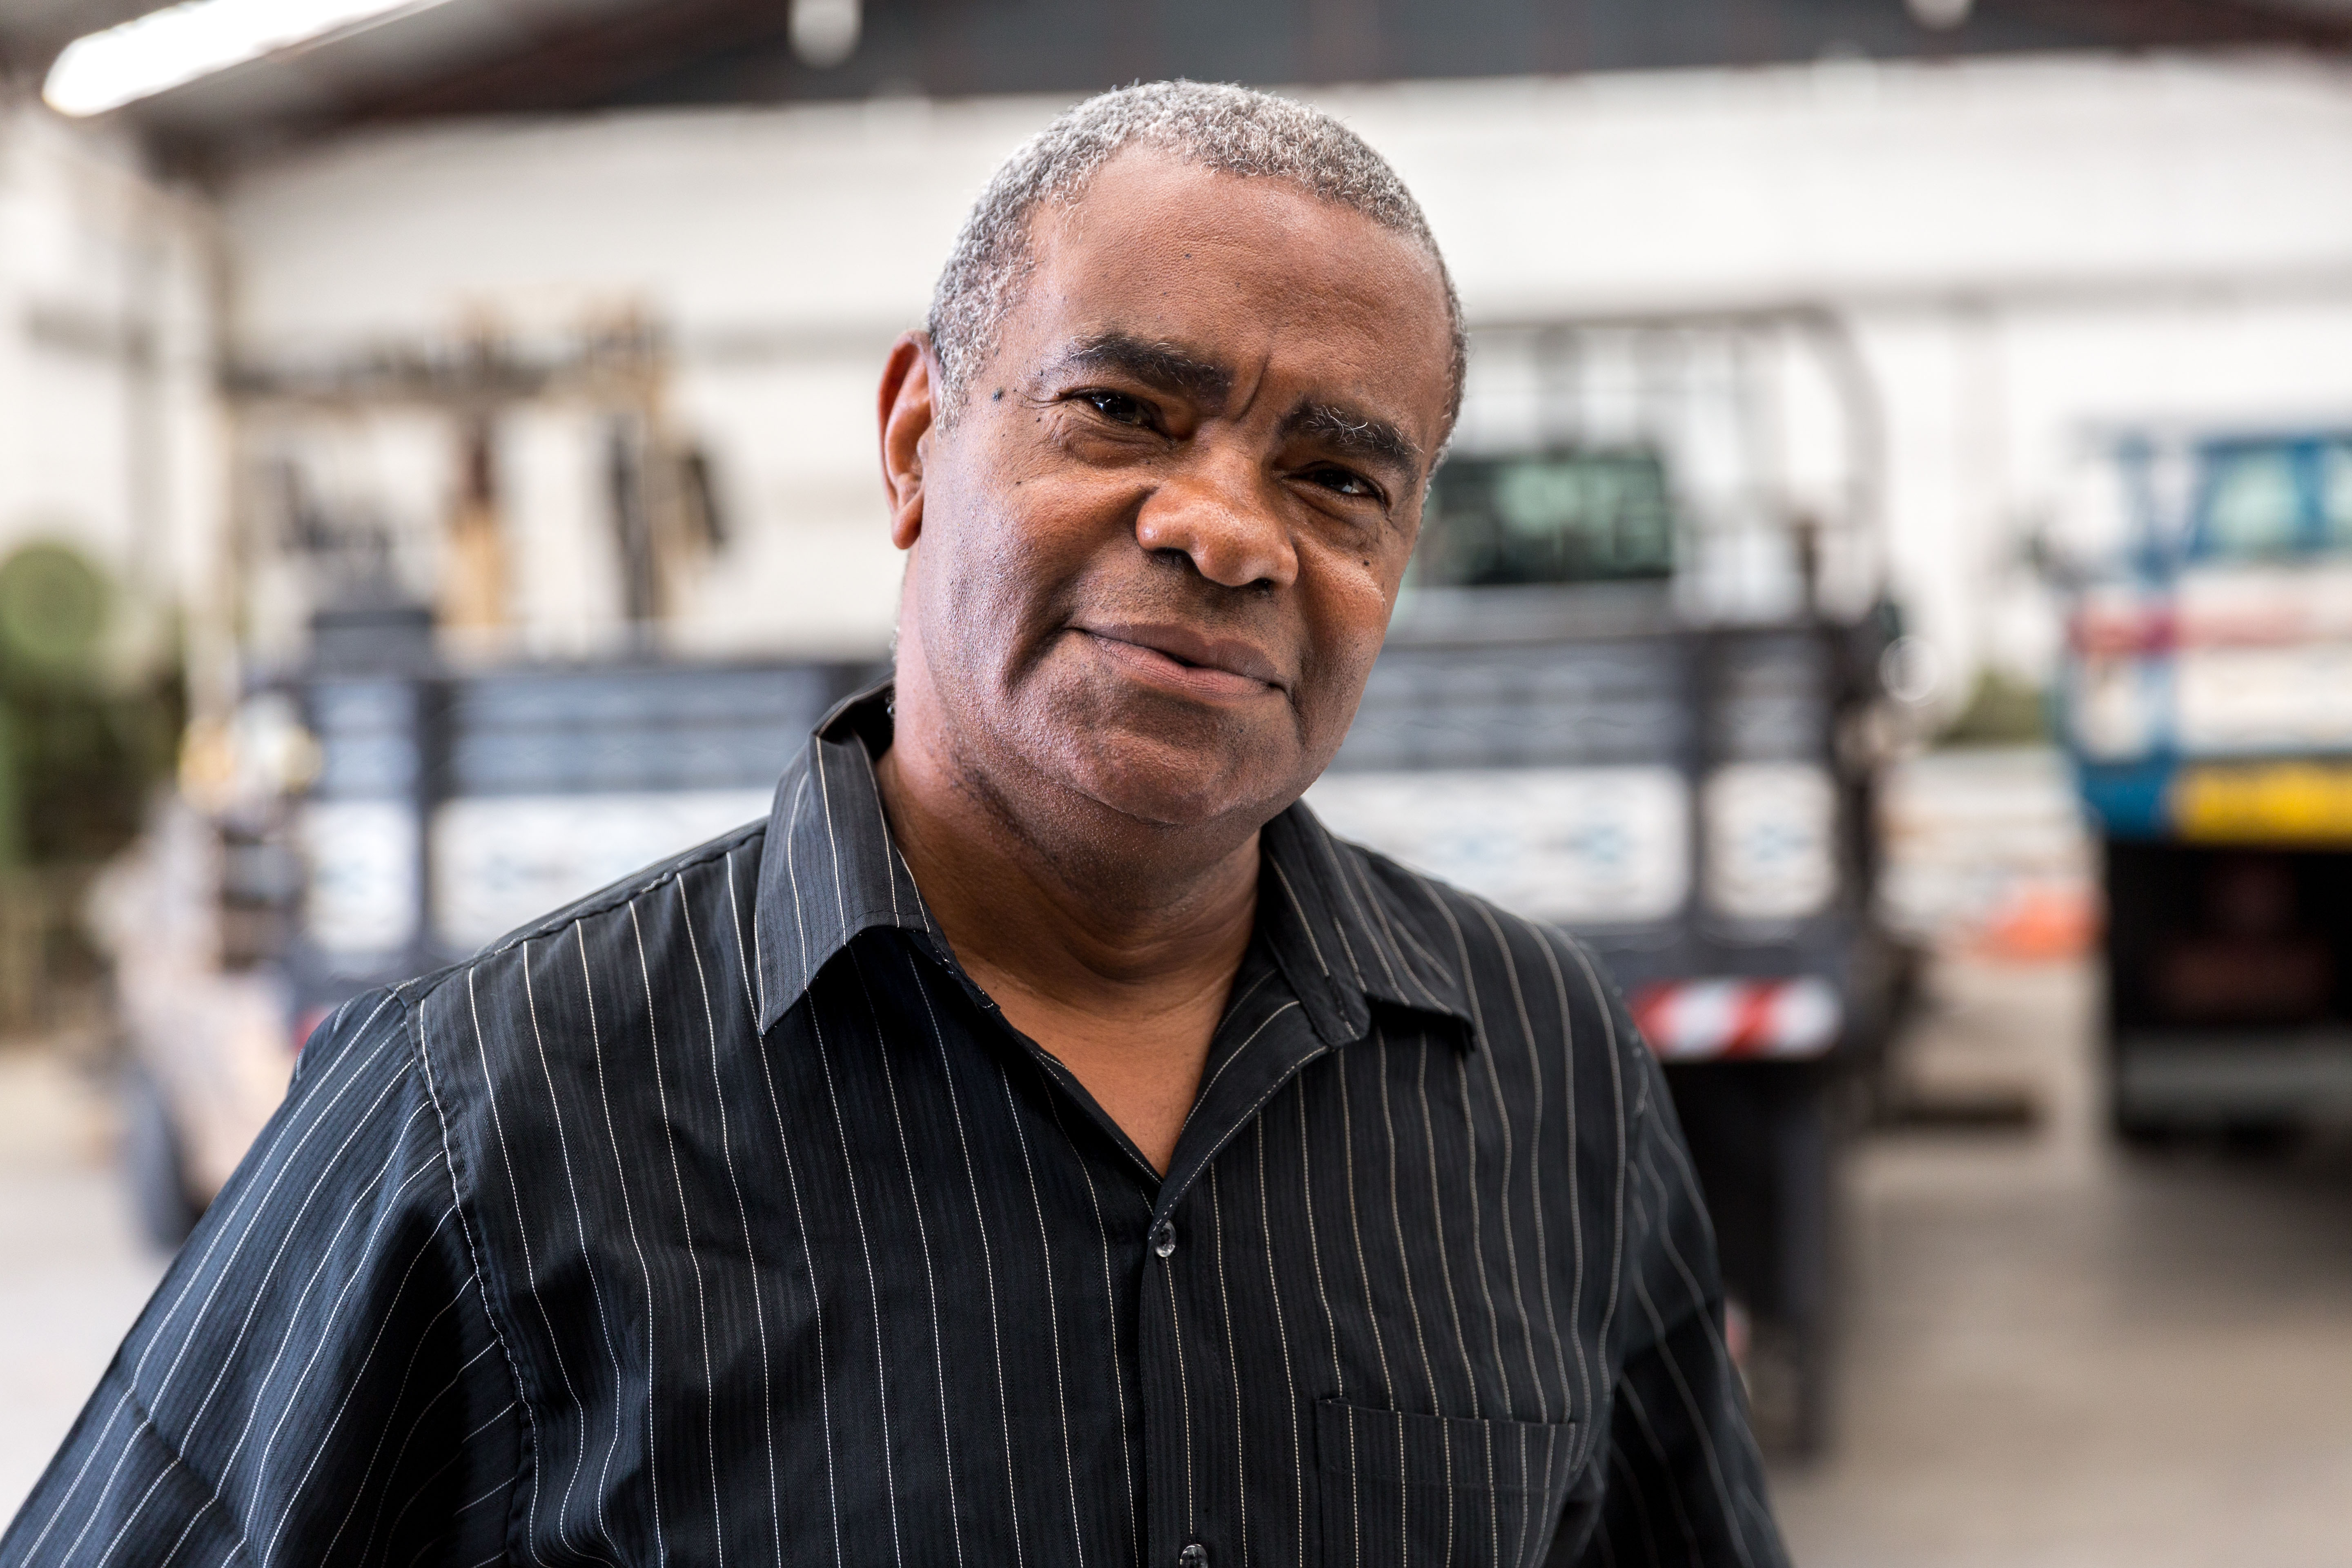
pixel 720 1219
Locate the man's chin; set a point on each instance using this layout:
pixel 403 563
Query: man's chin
pixel 1157 784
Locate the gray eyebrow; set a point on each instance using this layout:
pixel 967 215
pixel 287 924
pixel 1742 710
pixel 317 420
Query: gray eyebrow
pixel 1348 433
pixel 1163 365
pixel 1351 434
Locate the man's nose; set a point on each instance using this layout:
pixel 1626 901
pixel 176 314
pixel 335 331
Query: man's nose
pixel 1220 515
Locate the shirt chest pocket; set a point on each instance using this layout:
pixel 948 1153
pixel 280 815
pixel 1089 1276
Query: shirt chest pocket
pixel 1436 1491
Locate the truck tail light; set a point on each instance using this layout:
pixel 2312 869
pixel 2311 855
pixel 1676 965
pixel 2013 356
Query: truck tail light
pixel 2122 628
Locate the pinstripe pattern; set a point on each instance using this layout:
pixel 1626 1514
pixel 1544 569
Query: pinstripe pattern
pixel 720 1219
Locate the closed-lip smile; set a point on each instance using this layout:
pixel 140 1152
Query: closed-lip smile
pixel 1187 660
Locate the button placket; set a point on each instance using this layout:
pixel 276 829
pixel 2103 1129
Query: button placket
pixel 1186 1502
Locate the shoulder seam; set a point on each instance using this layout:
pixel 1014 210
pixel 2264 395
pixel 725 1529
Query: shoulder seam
pixel 473 1254
pixel 173 1446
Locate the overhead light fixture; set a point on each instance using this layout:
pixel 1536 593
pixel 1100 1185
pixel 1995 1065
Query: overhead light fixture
pixel 1941 14
pixel 179 44
pixel 825 32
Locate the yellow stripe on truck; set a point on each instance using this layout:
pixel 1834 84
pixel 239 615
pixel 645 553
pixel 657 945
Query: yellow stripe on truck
pixel 2270 803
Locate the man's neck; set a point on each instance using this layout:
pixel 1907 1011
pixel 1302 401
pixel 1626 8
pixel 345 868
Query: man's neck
pixel 1116 956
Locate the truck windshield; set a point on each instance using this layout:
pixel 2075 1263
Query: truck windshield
pixel 2276 498
pixel 1560 517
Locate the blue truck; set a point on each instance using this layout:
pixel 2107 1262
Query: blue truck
pixel 2207 704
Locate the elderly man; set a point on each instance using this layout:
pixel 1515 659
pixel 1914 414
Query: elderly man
pixel 1038 1141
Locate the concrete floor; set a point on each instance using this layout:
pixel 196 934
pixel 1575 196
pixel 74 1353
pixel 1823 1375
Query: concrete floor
pixel 73 1273
pixel 2061 1358
pixel 2055 1359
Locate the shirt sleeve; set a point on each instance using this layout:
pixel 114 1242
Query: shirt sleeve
pixel 316 1380
pixel 1685 1483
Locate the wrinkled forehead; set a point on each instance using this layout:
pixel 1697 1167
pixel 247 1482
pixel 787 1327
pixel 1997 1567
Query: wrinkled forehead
pixel 1228 270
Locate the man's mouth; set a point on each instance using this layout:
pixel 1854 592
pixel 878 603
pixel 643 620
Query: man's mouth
pixel 1181 659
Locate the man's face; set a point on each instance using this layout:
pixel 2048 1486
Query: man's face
pixel 1158 545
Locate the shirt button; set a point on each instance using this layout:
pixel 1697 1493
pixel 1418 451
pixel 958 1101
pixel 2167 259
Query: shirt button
pixel 1193 1556
pixel 1163 1242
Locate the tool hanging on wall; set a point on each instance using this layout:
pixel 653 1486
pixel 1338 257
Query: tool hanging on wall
pixel 658 496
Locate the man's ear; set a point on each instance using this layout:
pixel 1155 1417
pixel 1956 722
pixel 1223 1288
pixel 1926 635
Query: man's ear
pixel 907 414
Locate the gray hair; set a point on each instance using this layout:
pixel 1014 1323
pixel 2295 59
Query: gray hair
pixel 1231 130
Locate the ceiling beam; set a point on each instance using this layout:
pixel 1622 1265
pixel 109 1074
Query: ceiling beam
pixel 572 64
pixel 2188 24
pixel 564 61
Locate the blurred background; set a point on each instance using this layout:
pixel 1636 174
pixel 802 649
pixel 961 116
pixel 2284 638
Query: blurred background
pixel 1891 592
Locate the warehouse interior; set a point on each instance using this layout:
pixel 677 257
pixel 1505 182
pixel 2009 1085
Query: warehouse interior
pixel 492 379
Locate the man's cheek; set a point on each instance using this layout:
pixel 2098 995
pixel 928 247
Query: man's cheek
pixel 1349 617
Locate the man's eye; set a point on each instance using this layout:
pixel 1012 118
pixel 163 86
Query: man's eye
pixel 1117 407
pixel 1343 481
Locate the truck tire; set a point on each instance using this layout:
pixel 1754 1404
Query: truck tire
pixel 154 1167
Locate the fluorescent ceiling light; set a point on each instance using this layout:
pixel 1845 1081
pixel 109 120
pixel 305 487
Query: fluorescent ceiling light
pixel 165 49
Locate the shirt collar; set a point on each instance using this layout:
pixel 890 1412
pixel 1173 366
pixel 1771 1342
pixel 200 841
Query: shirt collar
pixel 830 869
pixel 1347 934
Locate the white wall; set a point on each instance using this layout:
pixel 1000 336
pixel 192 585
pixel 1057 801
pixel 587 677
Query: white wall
pixel 109 435
pixel 2021 248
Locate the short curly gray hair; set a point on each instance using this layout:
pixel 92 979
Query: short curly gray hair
pixel 1229 129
